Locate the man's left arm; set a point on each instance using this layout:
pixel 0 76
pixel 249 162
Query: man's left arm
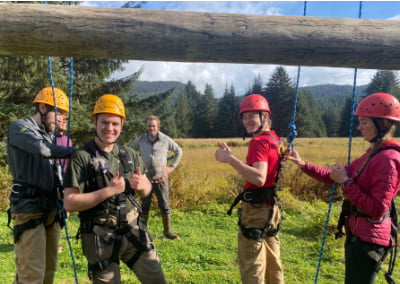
pixel 174 147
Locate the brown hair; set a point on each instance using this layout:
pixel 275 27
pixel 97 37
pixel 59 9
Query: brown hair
pixel 153 117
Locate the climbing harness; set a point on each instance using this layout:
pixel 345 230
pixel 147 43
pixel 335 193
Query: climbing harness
pixel 260 196
pixel 349 209
pixel 20 191
pixel 103 175
pixel 116 207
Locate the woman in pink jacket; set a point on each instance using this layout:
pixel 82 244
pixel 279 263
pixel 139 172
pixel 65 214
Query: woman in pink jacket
pixel 369 184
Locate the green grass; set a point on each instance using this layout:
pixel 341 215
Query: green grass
pixel 206 252
pixel 201 192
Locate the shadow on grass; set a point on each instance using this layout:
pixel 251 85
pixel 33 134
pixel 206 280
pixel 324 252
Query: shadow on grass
pixel 6 247
pixel 309 232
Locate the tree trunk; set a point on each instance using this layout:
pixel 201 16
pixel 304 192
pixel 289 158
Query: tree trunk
pixel 116 33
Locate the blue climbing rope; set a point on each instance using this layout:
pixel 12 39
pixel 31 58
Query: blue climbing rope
pixel 71 85
pixel 292 124
pixel 353 104
pixel 50 69
pixel 60 202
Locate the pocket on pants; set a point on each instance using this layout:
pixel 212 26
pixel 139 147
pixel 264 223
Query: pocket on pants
pixel 95 248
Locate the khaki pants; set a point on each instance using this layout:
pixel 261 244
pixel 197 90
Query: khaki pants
pixel 36 251
pixel 99 246
pixel 259 262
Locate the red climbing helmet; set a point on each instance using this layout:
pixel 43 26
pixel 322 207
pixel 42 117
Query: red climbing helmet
pixel 254 102
pixel 380 105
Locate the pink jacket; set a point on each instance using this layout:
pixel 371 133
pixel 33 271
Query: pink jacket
pixel 372 193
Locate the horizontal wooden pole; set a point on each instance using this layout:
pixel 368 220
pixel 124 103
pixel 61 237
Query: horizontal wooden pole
pixel 137 34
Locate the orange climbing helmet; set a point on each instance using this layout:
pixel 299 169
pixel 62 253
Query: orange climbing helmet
pixel 109 103
pixel 380 105
pixel 45 96
pixel 254 102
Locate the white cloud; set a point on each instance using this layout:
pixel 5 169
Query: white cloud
pixel 395 18
pixel 222 75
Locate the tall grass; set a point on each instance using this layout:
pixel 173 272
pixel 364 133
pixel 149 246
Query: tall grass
pixel 201 192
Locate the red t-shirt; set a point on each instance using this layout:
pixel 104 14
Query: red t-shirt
pixel 264 148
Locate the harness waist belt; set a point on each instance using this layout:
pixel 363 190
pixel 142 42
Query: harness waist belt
pixel 28 190
pixel 255 195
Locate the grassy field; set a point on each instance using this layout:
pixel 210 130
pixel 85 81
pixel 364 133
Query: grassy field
pixel 201 193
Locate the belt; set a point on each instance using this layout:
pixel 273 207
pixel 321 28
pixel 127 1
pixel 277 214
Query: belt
pixel 24 190
pixel 158 180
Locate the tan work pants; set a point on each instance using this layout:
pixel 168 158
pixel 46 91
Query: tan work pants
pixel 36 251
pixel 99 246
pixel 259 262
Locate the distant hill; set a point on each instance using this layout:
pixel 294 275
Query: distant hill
pixel 146 89
pixel 325 95
pixel 331 95
pixel 327 90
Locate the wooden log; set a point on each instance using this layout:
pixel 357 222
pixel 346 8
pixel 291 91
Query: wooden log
pixel 136 34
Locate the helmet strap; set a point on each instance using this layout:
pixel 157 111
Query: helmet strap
pixel 101 140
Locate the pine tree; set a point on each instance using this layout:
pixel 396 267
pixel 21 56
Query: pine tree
pixel 194 99
pixel 384 81
pixel 206 112
pixel 331 118
pixel 279 92
pixel 308 119
pixel 183 115
pixel 345 119
pixel 256 87
pixel 227 123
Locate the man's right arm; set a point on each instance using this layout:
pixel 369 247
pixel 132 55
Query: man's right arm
pixel 74 200
pixel 135 144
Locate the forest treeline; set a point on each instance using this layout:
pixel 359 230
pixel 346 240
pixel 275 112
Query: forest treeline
pixel 185 111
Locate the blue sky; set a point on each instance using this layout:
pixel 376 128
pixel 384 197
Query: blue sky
pixel 241 75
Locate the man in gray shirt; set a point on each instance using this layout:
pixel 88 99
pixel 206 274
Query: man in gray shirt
pixel 154 147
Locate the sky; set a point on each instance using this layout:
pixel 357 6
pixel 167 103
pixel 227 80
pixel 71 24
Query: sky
pixel 241 76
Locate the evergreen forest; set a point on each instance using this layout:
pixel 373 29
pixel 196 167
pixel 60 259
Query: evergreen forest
pixel 185 111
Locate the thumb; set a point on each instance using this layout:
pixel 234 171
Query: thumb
pixel 226 147
pixel 138 172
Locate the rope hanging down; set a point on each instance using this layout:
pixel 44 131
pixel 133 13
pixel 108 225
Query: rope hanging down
pixel 292 124
pixel 60 203
pixel 353 104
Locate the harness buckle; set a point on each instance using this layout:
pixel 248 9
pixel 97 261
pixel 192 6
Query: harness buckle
pixel 15 185
pixel 247 196
pixel 25 190
pixel 104 264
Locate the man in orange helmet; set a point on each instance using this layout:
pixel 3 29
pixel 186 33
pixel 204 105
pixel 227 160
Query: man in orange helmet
pixel 100 184
pixel 259 216
pixel 32 158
